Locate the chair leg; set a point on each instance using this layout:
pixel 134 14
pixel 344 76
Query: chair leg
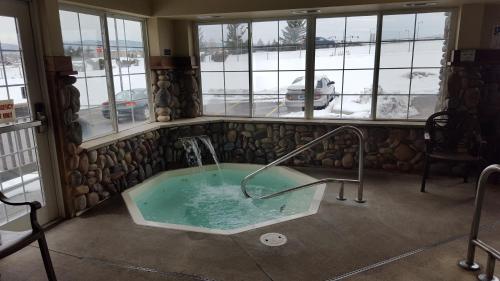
pixel 47 262
pixel 426 172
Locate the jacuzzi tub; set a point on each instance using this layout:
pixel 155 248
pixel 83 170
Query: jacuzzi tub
pixel 210 200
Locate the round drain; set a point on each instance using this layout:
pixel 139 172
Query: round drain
pixel 273 239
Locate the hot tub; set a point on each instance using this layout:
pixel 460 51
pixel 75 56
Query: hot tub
pixel 207 199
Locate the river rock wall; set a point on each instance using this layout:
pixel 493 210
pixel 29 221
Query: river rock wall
pixel 108 170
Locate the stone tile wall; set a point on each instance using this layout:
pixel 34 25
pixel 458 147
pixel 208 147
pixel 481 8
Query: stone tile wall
pixel 103 172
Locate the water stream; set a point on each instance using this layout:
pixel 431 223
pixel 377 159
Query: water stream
pixel 193 152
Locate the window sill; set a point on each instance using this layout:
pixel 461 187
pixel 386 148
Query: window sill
pixel 113 138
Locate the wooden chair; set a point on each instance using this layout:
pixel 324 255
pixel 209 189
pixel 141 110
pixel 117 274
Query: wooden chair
pixel 12 242
pixel 452 137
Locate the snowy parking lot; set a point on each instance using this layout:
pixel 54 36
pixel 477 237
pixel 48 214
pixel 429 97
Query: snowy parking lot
pixel 404 91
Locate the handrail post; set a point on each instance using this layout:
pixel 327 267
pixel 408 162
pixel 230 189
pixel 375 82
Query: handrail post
pixel 361 167
pixel 341 192
pixel 469 263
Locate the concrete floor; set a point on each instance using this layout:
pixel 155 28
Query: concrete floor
pixel 338 243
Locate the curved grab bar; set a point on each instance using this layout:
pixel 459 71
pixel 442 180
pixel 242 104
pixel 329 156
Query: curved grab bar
pixel 469 263
pixel 296 151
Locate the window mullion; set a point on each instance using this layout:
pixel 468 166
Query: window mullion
pixel 376 67
pixel 109 73
pixel 250 68
pixel 310 64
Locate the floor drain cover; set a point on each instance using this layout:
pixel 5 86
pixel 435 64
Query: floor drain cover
pixel 273 239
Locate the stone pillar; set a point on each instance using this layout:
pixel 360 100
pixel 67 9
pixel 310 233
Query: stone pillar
pixel 65 105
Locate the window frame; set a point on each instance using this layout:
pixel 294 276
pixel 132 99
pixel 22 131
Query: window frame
pixel 108 68
pixel 311 53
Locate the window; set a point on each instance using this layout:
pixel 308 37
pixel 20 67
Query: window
pixel 410 56
pixel 107 74
pixel 345 55
pixel 224 69
pixel 411 63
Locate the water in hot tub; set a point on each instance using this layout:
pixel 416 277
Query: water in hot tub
pixel 213 199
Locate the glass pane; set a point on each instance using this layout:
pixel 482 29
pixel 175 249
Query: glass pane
pixel 135 60
pixel 18 94
pixel 235 35
pixel 361 29
pixel 237 83
pixel 360 56
pixel 236 59
pixel 69 27
pixel 290 59
pixel 112 28
pixel 292 55
pixel 332 76
pixel 138 81
pixel 356 106
pixel 13 65
pixel 130 110
pixel 81 85
pixel 432 25
pixel 90 27
pixel 291 82
pixel 97 91
pixel 265 33
pixel 3 93
pixel 210 36
pixel 329 57
pixel 120 36
pixel 328 87
pixel 119 61
pixel 237 105
pixel 265 58
pixel 398 27
pixel 75 52
pixel 212 59
pixel 394 82
pixel 330 31
pixel 94 60
pixel 358 82
pixel 214 105
pixel 426 81
pixel 212 83
pixel 265 83
pixel 265 106
pixel 133 33
pixel 121 83
pixel 422 106
pixel 428 54
pixel 392 107
pixel 8 37
pixel 396 54
pixel 292 92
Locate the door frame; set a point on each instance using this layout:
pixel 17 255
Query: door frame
pixel 53 186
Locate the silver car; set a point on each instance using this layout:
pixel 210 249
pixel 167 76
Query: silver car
pixel 324 92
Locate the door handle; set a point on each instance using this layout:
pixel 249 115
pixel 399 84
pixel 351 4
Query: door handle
pixel 41 115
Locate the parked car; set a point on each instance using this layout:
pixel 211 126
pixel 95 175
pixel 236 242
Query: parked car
pixel 322 42
pixel 324 92
pixel 133 103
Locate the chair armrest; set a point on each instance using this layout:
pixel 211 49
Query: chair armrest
pixel 35 205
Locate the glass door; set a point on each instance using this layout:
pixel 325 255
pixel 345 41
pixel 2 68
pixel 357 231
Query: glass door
pixel 26 170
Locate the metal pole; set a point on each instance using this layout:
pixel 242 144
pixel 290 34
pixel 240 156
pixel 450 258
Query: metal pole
pixel 469 263
pixel 361 165
pixel 341 192
pixel 490 270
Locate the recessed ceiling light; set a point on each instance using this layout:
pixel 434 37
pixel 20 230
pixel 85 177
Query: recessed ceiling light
pixel 208 17
pixel 420 4
pixel 305 12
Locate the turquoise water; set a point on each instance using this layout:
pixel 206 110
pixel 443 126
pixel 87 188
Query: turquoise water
pixel 214 199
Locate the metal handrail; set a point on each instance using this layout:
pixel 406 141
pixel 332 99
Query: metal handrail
pixel 293 153
pixel 493 254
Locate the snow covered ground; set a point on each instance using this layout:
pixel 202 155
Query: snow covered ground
pixel 273 72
